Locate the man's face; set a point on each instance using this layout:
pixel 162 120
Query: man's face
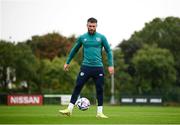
pixel 91 27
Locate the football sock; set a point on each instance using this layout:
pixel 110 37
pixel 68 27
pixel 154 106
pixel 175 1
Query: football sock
pixel 99 109
pixel 70 106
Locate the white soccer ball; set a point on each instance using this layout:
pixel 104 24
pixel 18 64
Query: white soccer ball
pixel 83 103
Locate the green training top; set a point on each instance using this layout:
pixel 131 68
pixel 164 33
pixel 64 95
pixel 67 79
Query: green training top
pixel 92 50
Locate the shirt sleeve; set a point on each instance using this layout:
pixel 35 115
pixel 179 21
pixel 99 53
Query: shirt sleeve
pixel 74 50
pixel 108 51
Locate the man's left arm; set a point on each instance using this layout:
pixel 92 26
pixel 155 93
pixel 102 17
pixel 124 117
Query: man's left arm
pixel 109 55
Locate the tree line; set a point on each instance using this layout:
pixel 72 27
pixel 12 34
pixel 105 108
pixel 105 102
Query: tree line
pixel 148 63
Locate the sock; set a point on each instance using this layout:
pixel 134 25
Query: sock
pixel 99 109
pixel 70 106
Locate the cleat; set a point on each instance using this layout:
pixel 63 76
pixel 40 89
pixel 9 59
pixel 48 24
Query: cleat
pixel 66 112
pixel 101 115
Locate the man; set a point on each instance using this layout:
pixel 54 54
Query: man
pixel 92 66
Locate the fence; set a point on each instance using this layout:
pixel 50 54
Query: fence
pixel 63 99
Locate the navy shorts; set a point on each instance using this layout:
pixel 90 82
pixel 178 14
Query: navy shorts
pixel 86 72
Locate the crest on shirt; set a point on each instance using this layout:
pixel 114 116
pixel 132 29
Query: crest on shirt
pixel 84 39
pixel 82 74
pixel 98 39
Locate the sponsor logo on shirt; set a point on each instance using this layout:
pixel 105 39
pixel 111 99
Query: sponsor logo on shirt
pixel 101 74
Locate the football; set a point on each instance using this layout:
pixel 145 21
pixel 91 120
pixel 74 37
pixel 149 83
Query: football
pixel 83 103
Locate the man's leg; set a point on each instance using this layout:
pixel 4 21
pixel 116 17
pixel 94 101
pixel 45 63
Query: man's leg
pixel 99 89
pixel 81 79
pixel 99 82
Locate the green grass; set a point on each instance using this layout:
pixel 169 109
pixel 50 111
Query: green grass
pixel 48 114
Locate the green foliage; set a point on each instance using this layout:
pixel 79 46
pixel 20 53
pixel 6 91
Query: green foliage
pixel 7 60
pixel 26 66
pixel 39 62
pixel 164 33
pixel 55 79
pixel 26 63
pixel 123 81
pixel 7 54
pixel 155 72
pixel 20 59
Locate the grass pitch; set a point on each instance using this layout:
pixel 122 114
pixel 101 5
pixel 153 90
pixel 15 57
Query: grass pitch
pixel 48 114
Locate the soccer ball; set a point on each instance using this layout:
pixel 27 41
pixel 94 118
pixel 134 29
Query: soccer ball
pixel 83 103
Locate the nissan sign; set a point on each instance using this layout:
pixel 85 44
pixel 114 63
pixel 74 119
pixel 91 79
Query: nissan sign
pixel 25 100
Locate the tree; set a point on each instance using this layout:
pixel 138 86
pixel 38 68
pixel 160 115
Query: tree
pixel 155 72
pixel 26 64
pixel 164 32
pixel 19 59
pixel 50 45
pixel 7 60
pixel 55 79
pixel 122 80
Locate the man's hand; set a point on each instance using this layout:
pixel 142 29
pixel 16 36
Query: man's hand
pixel 66 67
pixel 111 70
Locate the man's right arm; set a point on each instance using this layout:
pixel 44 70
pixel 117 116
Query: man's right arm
pixel 74 50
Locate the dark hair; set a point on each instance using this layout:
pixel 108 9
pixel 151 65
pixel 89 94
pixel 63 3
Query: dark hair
pixel 92 20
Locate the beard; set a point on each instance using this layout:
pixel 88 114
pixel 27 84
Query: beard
pixel 91 31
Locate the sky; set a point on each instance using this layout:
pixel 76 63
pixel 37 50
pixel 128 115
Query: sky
pixel 117 19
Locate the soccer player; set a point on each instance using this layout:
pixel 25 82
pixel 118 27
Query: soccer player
pixel 92 66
